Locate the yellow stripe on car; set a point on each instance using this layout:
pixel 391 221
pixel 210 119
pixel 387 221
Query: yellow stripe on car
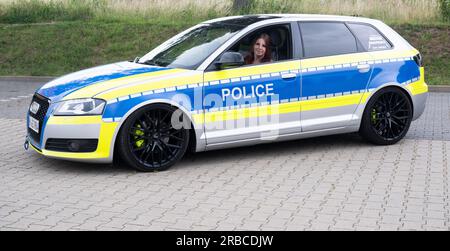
pixel 74 120
pixel 124 81
pixel 260 111
pixel 183 78
pixel 420 86
pixel 252 70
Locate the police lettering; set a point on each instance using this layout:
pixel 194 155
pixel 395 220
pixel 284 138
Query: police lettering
pixel 248 91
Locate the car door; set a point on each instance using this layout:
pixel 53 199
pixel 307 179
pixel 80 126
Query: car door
pixel 257 101
pixel 335 73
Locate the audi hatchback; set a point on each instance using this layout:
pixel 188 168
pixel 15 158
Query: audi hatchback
pixel 231 82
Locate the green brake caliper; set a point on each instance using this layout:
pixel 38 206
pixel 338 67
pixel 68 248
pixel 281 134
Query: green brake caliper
pixel 374 116
pixel 138 133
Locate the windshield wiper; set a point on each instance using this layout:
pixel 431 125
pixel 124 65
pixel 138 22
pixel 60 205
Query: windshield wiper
pixel 157 62
pixel 151 62
pixel 148 62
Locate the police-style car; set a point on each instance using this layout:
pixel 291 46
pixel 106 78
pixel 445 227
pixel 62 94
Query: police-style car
pixel 197 91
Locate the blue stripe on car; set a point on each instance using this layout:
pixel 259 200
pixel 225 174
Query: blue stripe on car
pixel 315 84
pixel 57 92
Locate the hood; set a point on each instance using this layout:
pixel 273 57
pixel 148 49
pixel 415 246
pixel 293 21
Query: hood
pixel 59 88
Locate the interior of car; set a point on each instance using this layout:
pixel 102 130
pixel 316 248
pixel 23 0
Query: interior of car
pixel 281 42
pixel 280 36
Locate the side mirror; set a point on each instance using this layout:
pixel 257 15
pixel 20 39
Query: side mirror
pixel 136 59
pixel 229 60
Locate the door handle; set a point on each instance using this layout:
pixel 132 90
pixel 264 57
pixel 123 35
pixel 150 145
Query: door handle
pixel 288 76
pixel 363 68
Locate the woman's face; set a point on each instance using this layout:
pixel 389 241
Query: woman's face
pixel 260 48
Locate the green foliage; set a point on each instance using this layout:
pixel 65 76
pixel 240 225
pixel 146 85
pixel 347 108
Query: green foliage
pixel 445 9
pixel 92 32
pixel 39 11
pixel 431 41
pixel 242 6
pixel 273 6
pixel 63 47
pixel 34 11
pixel 262 6
pixel 59 48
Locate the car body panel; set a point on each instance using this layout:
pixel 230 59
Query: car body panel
pixel 248 88
pixel 336 83
pixel 80 127
pixel 64 86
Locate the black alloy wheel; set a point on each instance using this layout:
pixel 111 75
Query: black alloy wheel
pixel 154 138
pixel 387 117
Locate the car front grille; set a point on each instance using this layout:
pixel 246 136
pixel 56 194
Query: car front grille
pixel 44 103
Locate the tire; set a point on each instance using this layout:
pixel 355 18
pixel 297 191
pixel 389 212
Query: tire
pixel 387 117
pixel 148 140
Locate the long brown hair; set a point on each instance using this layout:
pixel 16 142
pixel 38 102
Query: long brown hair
pixel 267 57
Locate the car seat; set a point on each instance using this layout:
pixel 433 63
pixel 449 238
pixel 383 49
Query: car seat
pixel 278 38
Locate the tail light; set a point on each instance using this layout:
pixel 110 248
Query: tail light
pixel 419 60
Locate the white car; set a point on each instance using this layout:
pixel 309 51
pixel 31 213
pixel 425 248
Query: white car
pixel 235 81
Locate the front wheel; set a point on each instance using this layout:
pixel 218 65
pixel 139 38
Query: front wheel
pixel 154 138
pixel 387 117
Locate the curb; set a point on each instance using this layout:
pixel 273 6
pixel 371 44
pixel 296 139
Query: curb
pixel 439 88
pixel 26 78
pixel 34 79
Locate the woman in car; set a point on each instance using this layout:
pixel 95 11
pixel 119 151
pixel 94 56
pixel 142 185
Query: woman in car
pixel 260 51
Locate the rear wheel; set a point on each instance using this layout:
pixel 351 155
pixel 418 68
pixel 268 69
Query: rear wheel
pixel 387 117
pixel 154 138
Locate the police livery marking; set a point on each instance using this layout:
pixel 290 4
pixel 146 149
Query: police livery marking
pixel 297 94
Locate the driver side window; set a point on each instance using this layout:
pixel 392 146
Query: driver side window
pixel 265 45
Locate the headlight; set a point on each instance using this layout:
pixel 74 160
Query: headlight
pixel 81 107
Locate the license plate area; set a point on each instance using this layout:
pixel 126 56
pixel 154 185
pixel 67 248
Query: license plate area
pixel 33 124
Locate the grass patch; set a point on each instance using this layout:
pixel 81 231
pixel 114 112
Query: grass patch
pixel 433 43
pixel 34 11
pixel 54 37
pixel 46 11
pixel 392 11
pixel 58 48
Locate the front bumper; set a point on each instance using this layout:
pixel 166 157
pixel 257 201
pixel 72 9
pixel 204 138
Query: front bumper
pixel 78 127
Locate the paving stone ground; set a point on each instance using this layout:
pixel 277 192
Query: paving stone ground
pixel 327 183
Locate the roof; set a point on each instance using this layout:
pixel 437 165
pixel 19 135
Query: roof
pixel 242 20
pixel 251 19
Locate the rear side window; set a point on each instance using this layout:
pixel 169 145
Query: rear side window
pixel 369 37
pixel 322 39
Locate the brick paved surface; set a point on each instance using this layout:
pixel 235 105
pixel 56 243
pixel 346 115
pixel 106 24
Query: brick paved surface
pixel 328 183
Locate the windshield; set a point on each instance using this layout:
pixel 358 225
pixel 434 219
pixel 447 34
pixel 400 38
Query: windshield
pixel 191 49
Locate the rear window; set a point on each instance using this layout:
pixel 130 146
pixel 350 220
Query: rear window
pixel 322 39
pixel 370 38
